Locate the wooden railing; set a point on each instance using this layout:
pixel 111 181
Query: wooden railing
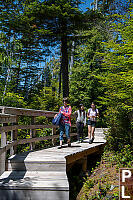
pixel 9 118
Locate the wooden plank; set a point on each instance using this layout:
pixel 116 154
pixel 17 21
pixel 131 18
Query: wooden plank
pixel 23 194
pixel 76 156
pixel 29 140
pixel 16 127
pixel 15 135
pixel 53 133
pixel 33 131
pixel 11 149
pixel 36 166
pixel 3 155
pixel 34 185
pixel 6 118
pixel 27 112
pixel 37 139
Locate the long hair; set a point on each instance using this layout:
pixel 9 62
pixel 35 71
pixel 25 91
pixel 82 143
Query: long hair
pixel 81 110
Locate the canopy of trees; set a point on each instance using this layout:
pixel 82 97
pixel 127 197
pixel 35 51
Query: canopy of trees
pixel 52 49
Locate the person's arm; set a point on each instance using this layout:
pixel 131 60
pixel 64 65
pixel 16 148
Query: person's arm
pixel 76 113
pixel 88 114
pixel 97 114
pixel 85 119
pixel 59 112
pixel 69 112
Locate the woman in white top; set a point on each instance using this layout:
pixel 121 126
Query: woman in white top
pixel 80 122
pixel 92 115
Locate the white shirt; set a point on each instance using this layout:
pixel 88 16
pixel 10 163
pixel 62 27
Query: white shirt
pixel 81 118
pixel 93 113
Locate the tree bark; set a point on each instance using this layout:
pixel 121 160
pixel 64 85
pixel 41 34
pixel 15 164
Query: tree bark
pixel 17 78
pixel 64 65
pixel 59 82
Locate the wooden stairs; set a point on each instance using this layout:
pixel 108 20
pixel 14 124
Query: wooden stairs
pixel 41 175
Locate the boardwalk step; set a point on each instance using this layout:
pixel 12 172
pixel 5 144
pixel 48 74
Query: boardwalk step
pixel 36 163
pixel 21 185
pixel 98 133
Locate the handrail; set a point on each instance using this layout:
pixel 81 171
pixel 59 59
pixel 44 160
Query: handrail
pixel 30 140
pixel 6 118
pixel 26 112
pixel 9 117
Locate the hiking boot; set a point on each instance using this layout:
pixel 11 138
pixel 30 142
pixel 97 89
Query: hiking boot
pixel 69 142
pixel 81 140
pixel 60 147
pixel 90 141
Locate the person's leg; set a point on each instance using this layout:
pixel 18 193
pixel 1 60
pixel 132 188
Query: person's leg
pixel 89 131
pixel 93 130
pixel 78 131
pixel 67 131
pixel 81 131
pixel 61 134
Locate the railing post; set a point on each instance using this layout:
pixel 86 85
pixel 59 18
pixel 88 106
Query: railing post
pixel 11 149
pixel 15 134
pixel 3 155
pixel 32 132
pixel 53 133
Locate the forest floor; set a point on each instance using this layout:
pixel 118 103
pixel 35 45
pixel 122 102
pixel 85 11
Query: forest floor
pixel 103 183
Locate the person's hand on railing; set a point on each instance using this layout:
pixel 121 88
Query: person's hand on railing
pixel 55 116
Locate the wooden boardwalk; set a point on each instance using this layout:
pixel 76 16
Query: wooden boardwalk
pixel 41 175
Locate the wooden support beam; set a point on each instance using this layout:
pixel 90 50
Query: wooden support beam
pixel 68 167
pixel 53 133
pixel 15 135
pixel 84 164
pixel 77 156
pixel 3 154
pixel 33 121
pixel 11 149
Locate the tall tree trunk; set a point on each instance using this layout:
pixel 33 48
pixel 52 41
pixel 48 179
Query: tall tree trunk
pixel 59 82
pixel 72 57
pixel 17 77
pixel 26 83
pixel 64 65
pixel 6 83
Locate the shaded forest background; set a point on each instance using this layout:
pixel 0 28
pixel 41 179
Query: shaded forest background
pixel 52 49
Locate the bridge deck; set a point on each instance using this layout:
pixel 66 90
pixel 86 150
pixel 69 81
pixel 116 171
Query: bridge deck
pixel 42 174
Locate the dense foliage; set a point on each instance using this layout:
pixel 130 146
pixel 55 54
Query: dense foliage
pixel 117 79
pixel 50 49
pixel 97 53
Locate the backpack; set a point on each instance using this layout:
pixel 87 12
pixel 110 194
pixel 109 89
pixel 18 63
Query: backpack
pixel 56 120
